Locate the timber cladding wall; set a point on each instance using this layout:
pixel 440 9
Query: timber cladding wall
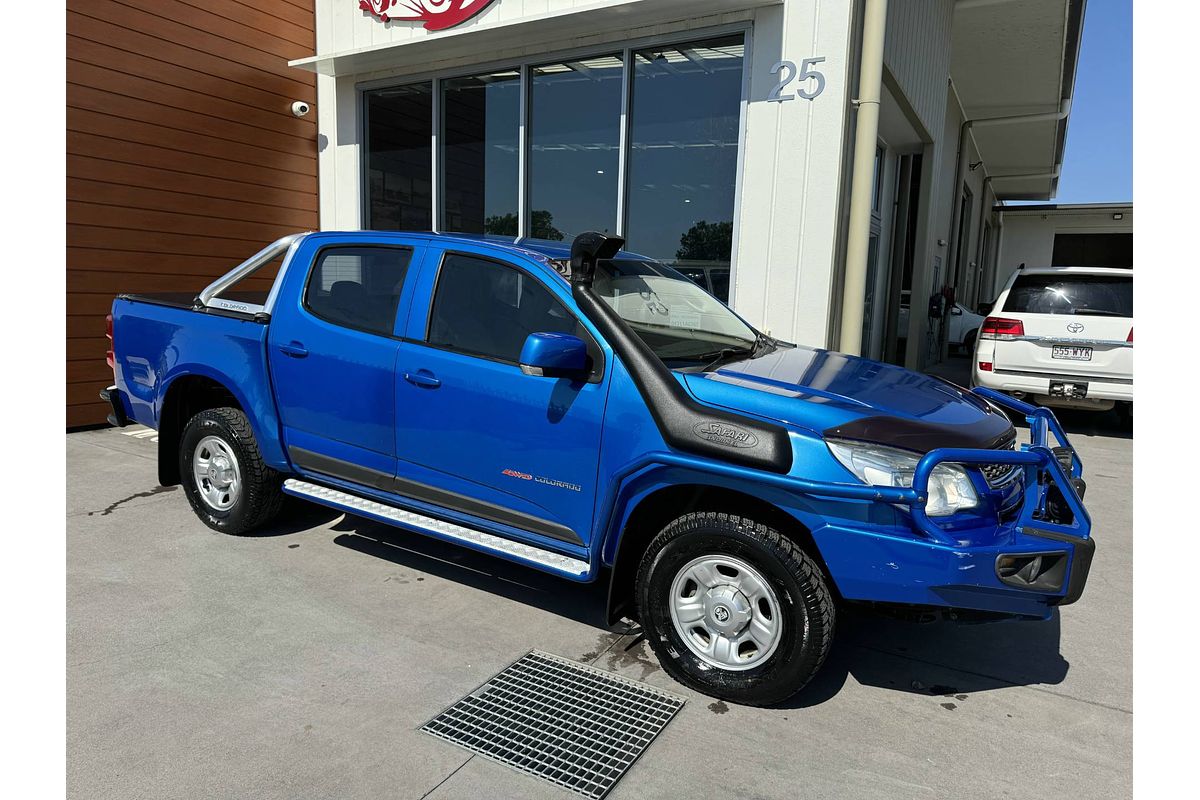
pixel 183 157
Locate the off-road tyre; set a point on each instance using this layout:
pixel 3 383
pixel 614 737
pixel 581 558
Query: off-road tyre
pixel 799 585
pixel 260 497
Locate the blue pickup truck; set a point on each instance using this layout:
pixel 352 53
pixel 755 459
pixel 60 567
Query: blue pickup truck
pixel 594 414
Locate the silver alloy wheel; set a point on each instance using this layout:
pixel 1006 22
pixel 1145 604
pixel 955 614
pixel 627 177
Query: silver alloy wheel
pixel 216 472
pixel 726 612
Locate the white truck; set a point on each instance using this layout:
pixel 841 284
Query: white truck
pixel 1062 336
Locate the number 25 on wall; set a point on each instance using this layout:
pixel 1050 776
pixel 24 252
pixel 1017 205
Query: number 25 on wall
pixel 788 72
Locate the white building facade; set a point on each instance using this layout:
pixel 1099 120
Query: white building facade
pixel 715 135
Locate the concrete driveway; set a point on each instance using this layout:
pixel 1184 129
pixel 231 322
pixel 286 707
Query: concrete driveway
pixel 300 663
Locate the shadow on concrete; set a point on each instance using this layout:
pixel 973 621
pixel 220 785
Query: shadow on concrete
pixel 296 516
pixel 582 602
pixel 939 658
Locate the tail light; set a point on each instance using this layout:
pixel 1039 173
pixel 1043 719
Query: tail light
pixel 1001 328
pixel 985 366
pixel 1129 338
pixel 109 358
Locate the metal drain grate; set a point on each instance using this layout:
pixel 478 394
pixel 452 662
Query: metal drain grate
pixel 573 725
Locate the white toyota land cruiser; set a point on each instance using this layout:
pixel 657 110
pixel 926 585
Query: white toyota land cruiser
pixel 1062 335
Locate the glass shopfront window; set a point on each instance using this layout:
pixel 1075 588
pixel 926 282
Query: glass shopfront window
pixel 480 162
pixel 684 123
pixel 575 133
pixel 678 105
pixel 399 158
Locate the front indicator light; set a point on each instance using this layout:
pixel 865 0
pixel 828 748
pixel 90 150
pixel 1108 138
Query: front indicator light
pixel 950 488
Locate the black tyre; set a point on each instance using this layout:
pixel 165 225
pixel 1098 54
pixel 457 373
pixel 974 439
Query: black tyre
pixel 968 344
pixel 230 488
pixel 733 608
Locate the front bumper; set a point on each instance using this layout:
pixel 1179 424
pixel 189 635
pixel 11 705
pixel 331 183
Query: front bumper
pixel 1024 566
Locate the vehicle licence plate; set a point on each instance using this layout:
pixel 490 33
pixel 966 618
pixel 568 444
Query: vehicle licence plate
pixel 1071 353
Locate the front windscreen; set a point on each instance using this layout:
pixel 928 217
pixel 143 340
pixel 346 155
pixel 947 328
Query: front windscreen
pixel 675 317
pixel 1082 295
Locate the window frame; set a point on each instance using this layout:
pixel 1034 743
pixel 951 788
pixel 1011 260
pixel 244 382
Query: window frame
pixel 595 350
pixel 312 271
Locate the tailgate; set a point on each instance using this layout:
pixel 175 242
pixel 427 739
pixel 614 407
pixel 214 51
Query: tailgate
pixel 1076 324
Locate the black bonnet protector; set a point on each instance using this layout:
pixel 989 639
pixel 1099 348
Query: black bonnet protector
pixel 991 432
pixel 684 423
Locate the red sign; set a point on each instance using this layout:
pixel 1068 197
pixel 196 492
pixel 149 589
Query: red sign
pixel 436 14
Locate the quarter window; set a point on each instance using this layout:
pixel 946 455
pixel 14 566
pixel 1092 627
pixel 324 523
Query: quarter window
pixel 488 309
pixel 358 287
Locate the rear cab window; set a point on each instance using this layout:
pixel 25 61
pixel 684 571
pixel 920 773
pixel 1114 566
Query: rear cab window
pixel 1079 295
pixel 358 287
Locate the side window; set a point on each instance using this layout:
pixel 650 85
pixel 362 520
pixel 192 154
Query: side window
pixel 358 287
pixel 488 309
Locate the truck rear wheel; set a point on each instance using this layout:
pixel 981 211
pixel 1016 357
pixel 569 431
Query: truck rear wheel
pixel 734 609
pixel 228 485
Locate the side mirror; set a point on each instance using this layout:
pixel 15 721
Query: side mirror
pixel 956 311
pixel 554 355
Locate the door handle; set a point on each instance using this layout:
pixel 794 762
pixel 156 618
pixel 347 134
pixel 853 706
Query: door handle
pixel 293 349
pixel 423 378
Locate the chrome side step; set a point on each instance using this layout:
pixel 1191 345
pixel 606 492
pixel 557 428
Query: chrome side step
pixel 354 504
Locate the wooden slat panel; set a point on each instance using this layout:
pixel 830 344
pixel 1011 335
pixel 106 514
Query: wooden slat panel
pixel 184 172
pixel 170 52
pixel 183 157
pixel 252 18
pixel 109 92
pixel 297 12
pixel 103 56
pixel 134 132
pixel 139 262
pixel 197 38
pixel 234 251
pixel 115 194
pixel 89 414
pixel 196 17
pixel 136 219
pixel 102 282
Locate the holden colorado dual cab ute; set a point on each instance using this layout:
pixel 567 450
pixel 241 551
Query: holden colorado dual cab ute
pixel 597 415
pixel 1063 337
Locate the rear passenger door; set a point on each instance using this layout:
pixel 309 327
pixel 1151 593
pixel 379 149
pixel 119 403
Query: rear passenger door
pixel 473 433
pixel 332 349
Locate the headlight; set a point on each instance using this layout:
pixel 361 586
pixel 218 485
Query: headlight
pixel 950 488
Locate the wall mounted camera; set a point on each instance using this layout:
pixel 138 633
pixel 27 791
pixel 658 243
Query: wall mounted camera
pixel 300 108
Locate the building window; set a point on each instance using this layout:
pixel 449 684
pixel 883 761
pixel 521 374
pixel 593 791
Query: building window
pixel 668 186
pixel 480 161
pixel 399 158
pixel 574 136
pixel 684 122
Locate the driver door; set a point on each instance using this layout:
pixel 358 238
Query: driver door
pixel 476 435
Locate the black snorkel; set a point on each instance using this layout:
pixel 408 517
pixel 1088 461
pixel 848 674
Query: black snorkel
pixel 684 423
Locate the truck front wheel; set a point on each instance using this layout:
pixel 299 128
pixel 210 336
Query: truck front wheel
pixel 228 485
pixel 733 608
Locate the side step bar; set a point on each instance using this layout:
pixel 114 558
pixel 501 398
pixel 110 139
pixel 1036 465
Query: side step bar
pixel 518 551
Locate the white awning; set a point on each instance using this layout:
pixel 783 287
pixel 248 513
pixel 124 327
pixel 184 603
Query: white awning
pixel 1017 58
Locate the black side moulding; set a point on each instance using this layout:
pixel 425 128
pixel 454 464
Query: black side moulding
pixel 684 423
